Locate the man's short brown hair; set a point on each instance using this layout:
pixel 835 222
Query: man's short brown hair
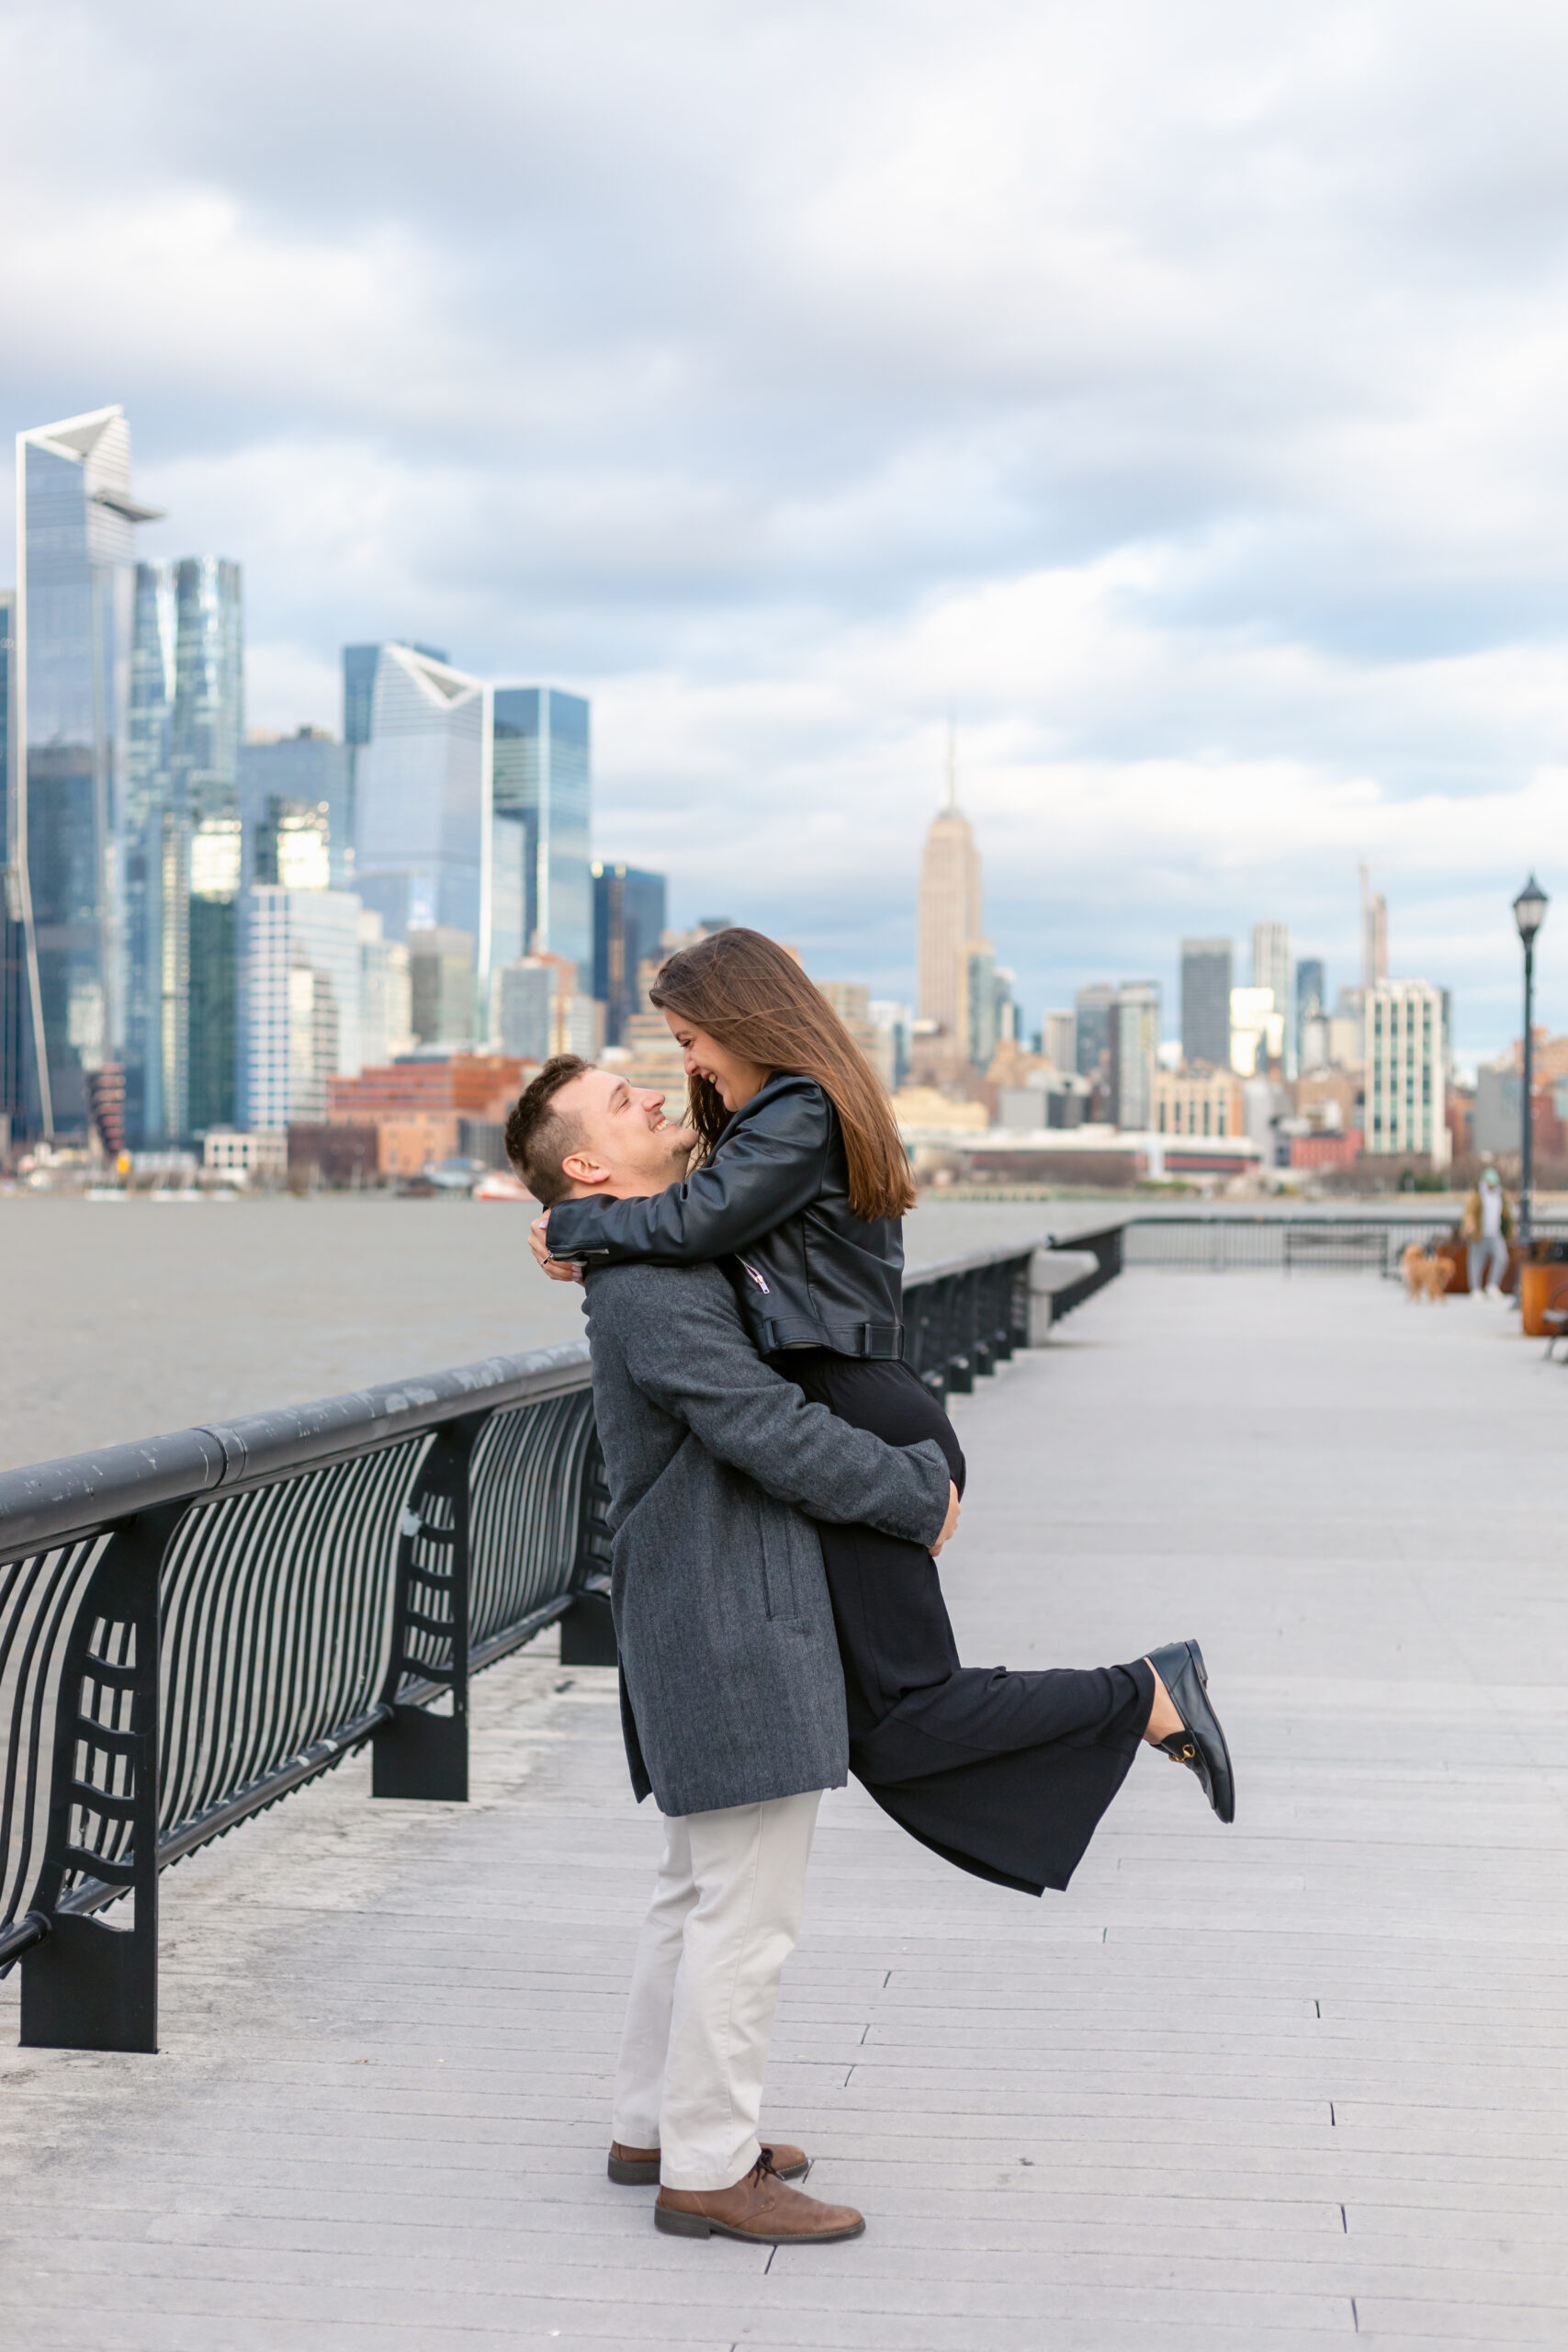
pixel 539 1136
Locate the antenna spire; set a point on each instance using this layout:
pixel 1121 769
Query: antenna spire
pixel 952 808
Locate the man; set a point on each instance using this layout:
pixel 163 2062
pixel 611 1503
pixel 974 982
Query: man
pixel 732 1697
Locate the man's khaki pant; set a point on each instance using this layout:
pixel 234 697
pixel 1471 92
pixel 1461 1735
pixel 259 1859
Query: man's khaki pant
pixel 725 1914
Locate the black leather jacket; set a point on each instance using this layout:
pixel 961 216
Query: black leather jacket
pixel 773 1201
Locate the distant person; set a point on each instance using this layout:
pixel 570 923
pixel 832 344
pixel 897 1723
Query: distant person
pixel 800 1193
pixel 1488 1227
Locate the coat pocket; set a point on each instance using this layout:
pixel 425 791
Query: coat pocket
pixel 778 1568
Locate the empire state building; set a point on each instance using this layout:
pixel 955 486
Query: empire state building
pixel 950 920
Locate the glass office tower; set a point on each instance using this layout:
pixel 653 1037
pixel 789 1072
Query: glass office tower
pixel 358 701
pixel 185 720
pixel 76 562
pixel 423 844
pixel 206 730
pixel 294 812
pixel 542 776
pixel 628 917
pixel 157 877
pixel 1206 981
pixel 1093 1012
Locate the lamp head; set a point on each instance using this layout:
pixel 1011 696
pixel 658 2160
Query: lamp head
pixel 1529 910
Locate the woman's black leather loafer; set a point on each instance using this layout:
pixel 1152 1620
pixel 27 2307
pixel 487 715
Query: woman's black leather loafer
pixel 1201 1744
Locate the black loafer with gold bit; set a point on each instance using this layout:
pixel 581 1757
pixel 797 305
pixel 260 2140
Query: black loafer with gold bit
pixel 1201 1744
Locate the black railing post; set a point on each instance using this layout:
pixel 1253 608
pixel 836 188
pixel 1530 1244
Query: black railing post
pixel 588 1628
pixel 959 1336
pixel 89 1986
pixel 415 1753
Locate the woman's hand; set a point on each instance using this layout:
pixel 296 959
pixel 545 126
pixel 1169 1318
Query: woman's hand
pixel 950 1524
pixel 539 1242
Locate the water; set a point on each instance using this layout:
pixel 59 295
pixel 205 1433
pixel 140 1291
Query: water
pixel 129 1317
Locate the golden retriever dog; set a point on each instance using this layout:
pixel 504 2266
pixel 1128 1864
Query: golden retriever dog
pixel 1425 1276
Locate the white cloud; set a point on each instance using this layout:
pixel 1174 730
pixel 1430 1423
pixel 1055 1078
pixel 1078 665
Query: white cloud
pixel 1175 391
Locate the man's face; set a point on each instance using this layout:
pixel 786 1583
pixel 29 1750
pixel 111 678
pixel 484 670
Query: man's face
pixel 627 1146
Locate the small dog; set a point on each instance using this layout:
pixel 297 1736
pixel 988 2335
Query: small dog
pixel 1425 1276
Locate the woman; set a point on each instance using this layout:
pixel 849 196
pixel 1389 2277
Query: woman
pixel 800 1189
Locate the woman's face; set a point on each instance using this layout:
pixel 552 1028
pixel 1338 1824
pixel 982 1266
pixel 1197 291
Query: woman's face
pixel 734 1080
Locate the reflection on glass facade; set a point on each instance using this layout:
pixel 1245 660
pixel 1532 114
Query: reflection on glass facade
pixel 299 959
pixel 76 566
pixel 358 704
pixel 206 730
pixel 628 917
pixel 508 892
pixel 542 775
pixel 180 876
pixel 154 877
pixel 359 683
pixel 422 799
pixel 289 790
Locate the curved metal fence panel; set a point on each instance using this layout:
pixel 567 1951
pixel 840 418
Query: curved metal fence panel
pixel 192 1627
pixel 38 1599
pixel 276 1609
pixel 525 1491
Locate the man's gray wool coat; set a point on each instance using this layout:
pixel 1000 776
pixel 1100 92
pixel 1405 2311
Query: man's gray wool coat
pixel 731 1689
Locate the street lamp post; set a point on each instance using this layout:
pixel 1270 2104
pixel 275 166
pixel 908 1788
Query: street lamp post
pixel 1530 913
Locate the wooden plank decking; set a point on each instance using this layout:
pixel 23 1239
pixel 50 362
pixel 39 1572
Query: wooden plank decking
pixel 1297 2083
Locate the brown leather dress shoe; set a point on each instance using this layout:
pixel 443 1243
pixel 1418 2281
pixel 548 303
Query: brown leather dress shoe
pixel 759 2208
pixel 638 2167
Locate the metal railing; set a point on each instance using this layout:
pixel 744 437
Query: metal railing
pixel 192 1627
pixel 1224 1242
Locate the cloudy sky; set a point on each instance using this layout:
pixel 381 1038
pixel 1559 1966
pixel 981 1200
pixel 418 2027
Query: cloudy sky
pixel 1177 392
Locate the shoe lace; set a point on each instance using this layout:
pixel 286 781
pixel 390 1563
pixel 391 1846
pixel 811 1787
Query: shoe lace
pixel 763 2169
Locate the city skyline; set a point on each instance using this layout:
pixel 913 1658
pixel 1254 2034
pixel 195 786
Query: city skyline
pixel 1235 574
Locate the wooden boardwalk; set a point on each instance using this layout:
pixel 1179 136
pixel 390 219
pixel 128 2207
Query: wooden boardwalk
pixel 1295 2083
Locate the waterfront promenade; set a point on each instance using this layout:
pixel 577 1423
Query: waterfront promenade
pixel 1296 2082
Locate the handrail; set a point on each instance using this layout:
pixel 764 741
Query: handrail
pixel 50 1502
pixel 196 1624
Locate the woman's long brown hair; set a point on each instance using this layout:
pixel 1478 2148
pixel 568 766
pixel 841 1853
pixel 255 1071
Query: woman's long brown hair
pixel 756 1001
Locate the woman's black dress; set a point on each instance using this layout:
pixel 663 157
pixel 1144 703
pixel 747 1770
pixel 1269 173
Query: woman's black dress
pixel 1006 1775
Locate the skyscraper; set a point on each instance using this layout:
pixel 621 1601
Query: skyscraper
pixel 1135 1043
pixel 359 662
pixel 179 848
pixel 206 730
pixel 629 913
pixel 951 921
pixel 155 873
pixel 294 811
pixel 300 992
pixel 75 590
pixel 1271 968
pixel 1374 934
pixel 1059 1039
pixel 1206 1001
pixel 443 1009
pixel 1405 1068
pixel 1311 998
pixel 422 803
pixel 1092 1010
pixel 359 683
pixel 542 811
